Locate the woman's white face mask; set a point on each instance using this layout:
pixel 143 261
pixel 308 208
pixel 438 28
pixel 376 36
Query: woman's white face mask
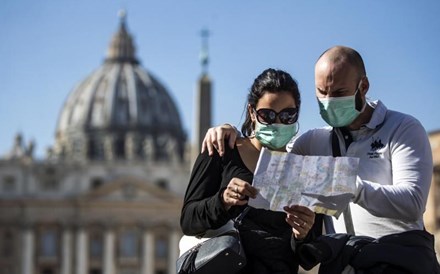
pixel 275 136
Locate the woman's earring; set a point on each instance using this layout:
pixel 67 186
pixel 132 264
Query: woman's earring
pixel 253 130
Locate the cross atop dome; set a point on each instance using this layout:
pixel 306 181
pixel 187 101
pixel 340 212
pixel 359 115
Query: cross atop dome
pixel 121 46
pixel 122 14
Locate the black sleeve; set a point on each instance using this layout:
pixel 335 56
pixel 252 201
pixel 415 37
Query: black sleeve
pixel 316 229
pixel 314 233
pixel 202 206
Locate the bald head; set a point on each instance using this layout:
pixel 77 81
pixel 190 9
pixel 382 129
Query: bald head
pixel 341 57
pixel 340 72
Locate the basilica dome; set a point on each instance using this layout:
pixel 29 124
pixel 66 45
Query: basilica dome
pixel 120 111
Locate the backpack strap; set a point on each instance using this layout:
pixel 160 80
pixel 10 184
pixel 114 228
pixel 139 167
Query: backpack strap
pixel 348 139
pixel 239 218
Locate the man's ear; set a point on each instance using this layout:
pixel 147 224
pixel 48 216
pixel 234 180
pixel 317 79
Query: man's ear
pixel 365 85
pixel 361 100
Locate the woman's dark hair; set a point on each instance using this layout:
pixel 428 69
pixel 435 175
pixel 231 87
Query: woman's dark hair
pixel 272 81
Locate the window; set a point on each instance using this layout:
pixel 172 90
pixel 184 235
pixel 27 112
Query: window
pixel 96 245
pixel 96 182
pixel 49 184
pixel 77 147
pixel 47 271
pixel 161 247
pixel 162 183
pixel 49 180
pixel 162 143
pixel 122 114
pixel 128 244
pixel 48 243
pixel 50 171
pixel 98 111
pixel 95 271
pixel 95 149
pixel 7 244
pixel 9 184
pixel 120 148
pixel 139 149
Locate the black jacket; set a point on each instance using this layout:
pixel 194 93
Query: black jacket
pixel 406 252
pixel 265 234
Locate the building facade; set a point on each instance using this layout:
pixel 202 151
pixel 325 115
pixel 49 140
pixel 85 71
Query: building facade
pixel 107 197
pixel 432 214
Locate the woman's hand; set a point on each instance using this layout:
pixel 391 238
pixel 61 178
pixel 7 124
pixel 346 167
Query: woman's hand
pixel 301 219
pixel 215 137
pixel 236 193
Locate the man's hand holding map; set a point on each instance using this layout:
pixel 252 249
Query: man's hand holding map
pixel 325 184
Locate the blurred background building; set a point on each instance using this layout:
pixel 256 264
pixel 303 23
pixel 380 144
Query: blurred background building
pixel 432 214
pixel 107 197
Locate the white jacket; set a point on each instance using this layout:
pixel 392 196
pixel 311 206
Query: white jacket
pixel 395 170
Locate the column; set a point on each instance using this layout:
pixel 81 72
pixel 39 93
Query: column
pixel 108 148
pixel 81 251
pixel 109 252
pixel 28 251
pixel 132 143
pixel 173 250
pixel 148 253
pixel 66 252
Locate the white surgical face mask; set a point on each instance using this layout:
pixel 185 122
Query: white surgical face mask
pixel 275 136
pixel 339 111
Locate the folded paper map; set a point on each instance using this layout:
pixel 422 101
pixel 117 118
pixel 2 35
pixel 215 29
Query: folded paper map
pixel 324 184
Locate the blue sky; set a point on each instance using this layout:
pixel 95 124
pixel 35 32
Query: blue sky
pixel 49 46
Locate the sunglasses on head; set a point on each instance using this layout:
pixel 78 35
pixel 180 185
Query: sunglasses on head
pixel 269 116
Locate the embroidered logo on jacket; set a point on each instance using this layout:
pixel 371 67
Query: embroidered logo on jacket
pixel 375 145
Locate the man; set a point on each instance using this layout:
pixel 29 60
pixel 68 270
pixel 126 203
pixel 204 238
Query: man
pixel 395 155
pixel 395 165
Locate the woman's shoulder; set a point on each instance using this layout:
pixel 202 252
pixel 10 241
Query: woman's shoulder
pixel 244 145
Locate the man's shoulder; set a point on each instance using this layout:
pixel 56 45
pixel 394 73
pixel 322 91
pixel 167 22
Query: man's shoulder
pixel 316 132
pixel 396 118
pixel 400 115
pixel 308 139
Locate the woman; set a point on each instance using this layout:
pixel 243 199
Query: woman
pixel 220 187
